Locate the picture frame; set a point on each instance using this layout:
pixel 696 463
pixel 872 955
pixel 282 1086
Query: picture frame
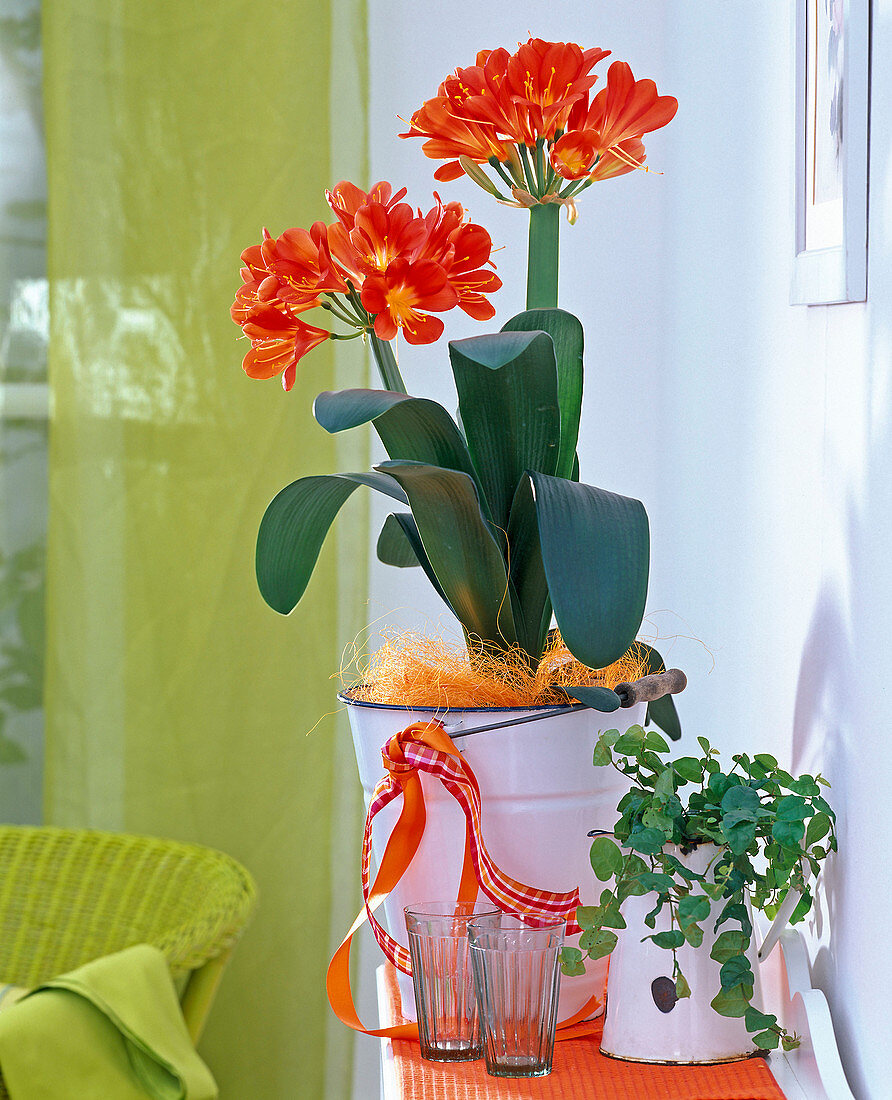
pixel 832 128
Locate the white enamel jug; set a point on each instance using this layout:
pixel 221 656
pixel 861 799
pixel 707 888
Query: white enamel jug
pixel 645 1022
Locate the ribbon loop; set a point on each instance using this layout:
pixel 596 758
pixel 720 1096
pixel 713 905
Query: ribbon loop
pixel 425 748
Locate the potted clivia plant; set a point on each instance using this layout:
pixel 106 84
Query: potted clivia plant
pixel 488 504
pixel 696 848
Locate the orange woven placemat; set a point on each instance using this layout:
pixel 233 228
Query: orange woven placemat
pixel 581 1072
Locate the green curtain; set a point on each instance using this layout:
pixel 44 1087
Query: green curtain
pixel 177 703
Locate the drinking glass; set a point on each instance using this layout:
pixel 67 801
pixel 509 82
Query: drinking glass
pixel 517 978
pixel 446 1007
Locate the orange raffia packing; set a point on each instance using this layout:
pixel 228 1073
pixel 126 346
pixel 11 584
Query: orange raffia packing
pixel 413 670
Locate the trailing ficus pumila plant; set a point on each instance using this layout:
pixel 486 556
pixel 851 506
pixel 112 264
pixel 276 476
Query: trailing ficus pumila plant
pixel 771 831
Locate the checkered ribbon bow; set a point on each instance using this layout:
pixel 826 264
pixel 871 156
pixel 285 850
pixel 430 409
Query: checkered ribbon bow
pixel 426 748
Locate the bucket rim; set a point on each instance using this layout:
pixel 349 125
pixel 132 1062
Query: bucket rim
pixel 344 697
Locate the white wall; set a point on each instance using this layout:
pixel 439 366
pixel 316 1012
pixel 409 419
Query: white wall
pixel 757 433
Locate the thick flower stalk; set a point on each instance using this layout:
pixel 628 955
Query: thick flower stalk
pixel 379 269
pixel 531 119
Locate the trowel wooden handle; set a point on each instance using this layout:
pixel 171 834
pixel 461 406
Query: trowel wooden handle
pixel 649 688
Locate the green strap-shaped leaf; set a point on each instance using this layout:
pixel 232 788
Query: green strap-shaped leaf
pixel 411 428
pixel 598 698
pixel 529 586
pixel 661 711
pixel 596 552
pixel 508 403
pixel 399 544
pixel 337 410
pixel 294 527
pixel 567 335
pixel 393 546
pixel 461 550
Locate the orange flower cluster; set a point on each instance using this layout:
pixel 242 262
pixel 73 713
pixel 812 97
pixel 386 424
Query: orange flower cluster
pixel 539 96
pixel 380 268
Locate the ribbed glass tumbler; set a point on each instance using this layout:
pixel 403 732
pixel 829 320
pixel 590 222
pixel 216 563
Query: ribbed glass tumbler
pixel 446 1007
pixel 517 979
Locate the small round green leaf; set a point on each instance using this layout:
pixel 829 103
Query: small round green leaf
pixel 668 940
pixel 606 858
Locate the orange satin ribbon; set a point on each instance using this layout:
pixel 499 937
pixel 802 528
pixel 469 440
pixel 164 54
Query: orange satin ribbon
pixel 403 780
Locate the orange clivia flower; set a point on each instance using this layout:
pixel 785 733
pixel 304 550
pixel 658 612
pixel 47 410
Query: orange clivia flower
pixel 278 341
pixel 533 118
pixel 380 267
pixel 456 124
pixel 626 108
pixel 542 82
pixel 399 295
pixel 464 249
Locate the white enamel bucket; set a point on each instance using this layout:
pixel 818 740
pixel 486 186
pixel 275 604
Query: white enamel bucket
pixel 687 1031
pixel 541 796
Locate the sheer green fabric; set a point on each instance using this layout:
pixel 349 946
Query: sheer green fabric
pixel 177 703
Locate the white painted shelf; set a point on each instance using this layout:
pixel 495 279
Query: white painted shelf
pixel 811 1072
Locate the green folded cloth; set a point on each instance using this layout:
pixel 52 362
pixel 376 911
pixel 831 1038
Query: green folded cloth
pixel 110 1030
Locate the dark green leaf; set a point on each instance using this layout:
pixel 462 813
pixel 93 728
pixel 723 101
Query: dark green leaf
pixel 744 800
pixel 657 882
pixel 755 1019
pixel 595 548
pixel 805 785
pixel 693 934
pixel 647 841
pixel 688 767
pixel 393 546
pixel 532 604
pixel 767 761
pixel 411 428
pixel 788 833
pixel 653 819
pixel 767 1040
pixel 612 918
pixel 598 698
pixel 606 858
pixel 401 525
pixel 508 403
pixel 668 940
pixel 793 808
pixel 693 907
pixel 571 962
pixel 460 548
pixel 602 944
pixel 732 1002
pixel 728 944
pixel 294 527
pixel 337 410
pixel 740 837
pixel 736 971
pixel 719 783
pixel 566 332
pixel 602 754
pixel 588 916
pixel 818 828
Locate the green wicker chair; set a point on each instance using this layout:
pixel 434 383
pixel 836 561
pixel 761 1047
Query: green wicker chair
pixel 69 896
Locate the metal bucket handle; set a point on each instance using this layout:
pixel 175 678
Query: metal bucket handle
pixel 645 690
